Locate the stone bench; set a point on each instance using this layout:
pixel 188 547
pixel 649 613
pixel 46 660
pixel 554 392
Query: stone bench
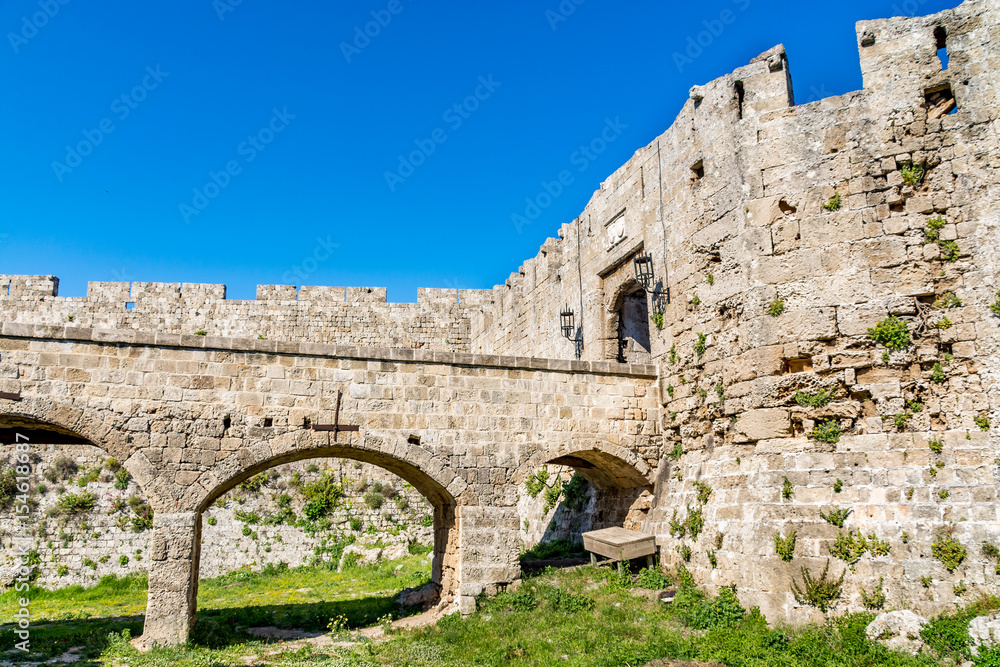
pixel 619 544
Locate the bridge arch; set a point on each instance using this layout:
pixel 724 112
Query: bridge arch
pixel 604 465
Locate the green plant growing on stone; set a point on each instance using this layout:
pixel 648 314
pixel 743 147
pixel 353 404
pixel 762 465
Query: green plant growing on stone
pixel 891 333
pixel 995 306
pixel 837 516
pixel 122 479
pixel 912 174
pixel 720 392
pixel 537 481
pixel 936 445
pixel 949 250
pixel 123 560
pixel 817 400
pixel 71 504
pixel 142 518
pixel 673 354
pixel 944 494
pixel 212 521
pixel 900 419
pixel 677 528
pixel 702 393
pixel 704 492
pixel 695 301
pixel 718 540
pixel 713 560
pixel 838 485
pixel 677 452
pixel 833 204
pixel 874 600
pixel 827 431
pixel 699 347
pixel 551 495
pixel 960 588
pixel 983 422
pixel 944 323
pixel 991 551
pixel 905 537
pixel 785 546
pixel 932 232
pixel 62 571
pixel 694 522
pixel 821 592
pixel 200 332
pixel 885 357
pixel 948 300
pixel 787 490
pixel 776 307
pixel 948 550
pixel 657 319
pixel 848 547
pixel 926 581
pixel 937 373
pixel 670 390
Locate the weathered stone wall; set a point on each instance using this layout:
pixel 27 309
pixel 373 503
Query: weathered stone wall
pixel 736 205
pixel 439 320
pixel 82 548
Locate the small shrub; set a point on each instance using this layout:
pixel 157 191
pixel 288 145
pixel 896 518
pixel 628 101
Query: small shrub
pixel 787 490
pixel 61 469
pixel 828 431
pixel 694 522
pixel 817 400
pixel 900 419
pixel 776 307
pixel 695 301
pixel 837 516
pixel 355 524
pixel 833 204
pixel 62 571
pixel 944 323
pixel 699 347
pixel 677 452
pixel 949 250
pixel 200 332
pixel 936 445
pixel 537 481
pixel 949 300
pixel 991 551
pixel 892 333
pixel 685 552
pixel 932 232
pixel 723 611
pixel 995 306
pixel 876 599
pixel 720 392
pixel 912 174
pixel 785 546
pixel 657 319
pixel 944 494
pixel 960 588
pixel 710 278
pixel 143 519
pixel 848 547
pixel 551 495
pixel 704 492
pixel 838 485
pixel 937 374
pixel 123 560
pixel 212 521
pixel 926 581
pixel 948 550
pixel 713 560
pixel 673 354
pixel 677 527
pixel 374 499
pixel 877 547
pixel 72 504
pixel 426 521
pixel 983 422
pixel 652 580
pixel 819 592
pixel 122 478
pixel 670 390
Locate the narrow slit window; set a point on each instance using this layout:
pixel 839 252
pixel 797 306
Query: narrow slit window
pixel 698 171
pixel 941 39
pixel 740 97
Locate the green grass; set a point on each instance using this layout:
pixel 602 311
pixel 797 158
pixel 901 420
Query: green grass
pixel 581 617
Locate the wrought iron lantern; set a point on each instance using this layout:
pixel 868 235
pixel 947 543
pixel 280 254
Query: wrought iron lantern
pixel 566 321
pixel 644 270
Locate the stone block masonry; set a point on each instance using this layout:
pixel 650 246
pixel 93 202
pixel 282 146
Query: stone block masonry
pixel 818 329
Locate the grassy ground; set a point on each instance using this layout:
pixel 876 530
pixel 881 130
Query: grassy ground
pixel 573 618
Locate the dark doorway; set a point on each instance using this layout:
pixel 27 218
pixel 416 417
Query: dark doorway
pixel 633 329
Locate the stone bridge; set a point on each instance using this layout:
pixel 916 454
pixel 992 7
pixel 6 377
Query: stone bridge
pixel 192 416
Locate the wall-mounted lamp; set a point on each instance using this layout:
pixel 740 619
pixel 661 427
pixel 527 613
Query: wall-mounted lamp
pixel 566 321
pixel 644 270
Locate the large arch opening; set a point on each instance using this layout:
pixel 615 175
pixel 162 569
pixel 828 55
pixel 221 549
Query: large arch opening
pixel 570 490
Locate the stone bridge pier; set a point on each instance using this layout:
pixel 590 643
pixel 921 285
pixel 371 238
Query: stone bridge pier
pixel 192 417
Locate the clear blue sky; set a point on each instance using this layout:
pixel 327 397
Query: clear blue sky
pixel 211 75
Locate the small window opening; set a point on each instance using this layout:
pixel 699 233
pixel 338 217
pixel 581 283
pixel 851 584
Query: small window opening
pixel 786 208
pixel 268 422
pixel 941 38
pixel 226 423
pixel 803 365
pixel 940 101
pixel 413 440
pixel 698 171
pixel 129 305
pixel 740 96
pixel 306 422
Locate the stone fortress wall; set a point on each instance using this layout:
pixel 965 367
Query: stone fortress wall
pixel 439 320
pixel 737 204
pixel 779 235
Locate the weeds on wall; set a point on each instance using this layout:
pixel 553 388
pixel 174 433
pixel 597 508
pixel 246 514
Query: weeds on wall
pixel 833 204
pixel 699 347
pixel 821 592
pixel 948 550
pixel 891 333
pixel 787 490
pixel 695 301
pixel 785 546
pixel 937 373
pixel 537 481
pixel 673 354
pixel 838 485
pixel 948 300
pixel 995 306
pixel 850 546
pixel 912 174
pixel 837 516
pixel 776 307
pixel 657 319
pixel 874 600
pixel 936 445
pixel 827 431
pixel 983 422
pixel 817 400
pixel 704 492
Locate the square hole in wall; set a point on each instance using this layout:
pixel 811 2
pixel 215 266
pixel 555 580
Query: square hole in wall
pixel 129 305
pixel 803 365
pixel 698 171
pixel 268 422
pixel 940 101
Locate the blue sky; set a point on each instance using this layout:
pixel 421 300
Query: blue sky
pixel 246 142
